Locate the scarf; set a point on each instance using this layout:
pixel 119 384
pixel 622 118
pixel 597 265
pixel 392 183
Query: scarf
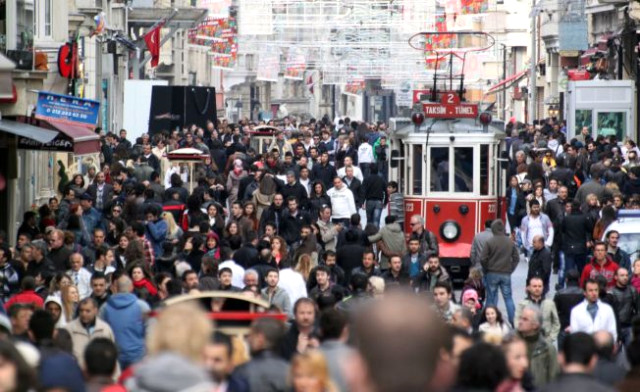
pixel 145 284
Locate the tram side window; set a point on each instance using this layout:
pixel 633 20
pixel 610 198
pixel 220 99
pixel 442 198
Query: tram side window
pixel 439 176
pixel 484 169
pixel 463 178
pixel 417 169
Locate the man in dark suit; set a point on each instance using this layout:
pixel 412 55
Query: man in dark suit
pixel 101 193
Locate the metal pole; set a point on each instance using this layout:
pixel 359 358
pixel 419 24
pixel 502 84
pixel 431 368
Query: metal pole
pixel 504 77
pixel 532 66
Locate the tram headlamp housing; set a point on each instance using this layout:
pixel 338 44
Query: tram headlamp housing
pixel 450 231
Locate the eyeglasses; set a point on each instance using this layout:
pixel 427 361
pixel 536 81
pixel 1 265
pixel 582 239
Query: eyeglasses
pixel 117 210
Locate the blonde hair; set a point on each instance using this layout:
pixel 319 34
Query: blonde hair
pixel 171 222
pixel 67 305
pixel 315 364
pixel 377 285
pixel 303 266
pixel 172 333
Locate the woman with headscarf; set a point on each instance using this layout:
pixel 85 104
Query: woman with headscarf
pixel 263 196
pixel 233 181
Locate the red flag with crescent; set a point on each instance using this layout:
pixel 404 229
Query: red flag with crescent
pixel 152 39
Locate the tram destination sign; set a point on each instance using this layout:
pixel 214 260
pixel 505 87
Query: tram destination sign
pixel 450 107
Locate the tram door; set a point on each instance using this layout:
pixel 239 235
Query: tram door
pixel 413 178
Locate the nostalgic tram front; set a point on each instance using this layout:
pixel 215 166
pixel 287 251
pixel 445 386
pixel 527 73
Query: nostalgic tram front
pixel 448 171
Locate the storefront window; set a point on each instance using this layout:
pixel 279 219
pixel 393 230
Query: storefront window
pixel 439 175
pixel 463 175
pixel 612 124
pixel 583 119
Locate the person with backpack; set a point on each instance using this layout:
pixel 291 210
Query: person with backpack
pixel 428 240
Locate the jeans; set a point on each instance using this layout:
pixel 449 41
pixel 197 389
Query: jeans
pixel 570 261
pixel 374 210
pixel 495 281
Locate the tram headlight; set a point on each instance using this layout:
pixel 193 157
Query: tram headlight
pixel 450 231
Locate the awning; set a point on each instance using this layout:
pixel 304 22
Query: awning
pixel 508 82
pixel 29 131
pixel 181 18
pixel 85 140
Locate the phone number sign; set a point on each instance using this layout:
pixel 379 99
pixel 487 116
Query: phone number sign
pixel 67 108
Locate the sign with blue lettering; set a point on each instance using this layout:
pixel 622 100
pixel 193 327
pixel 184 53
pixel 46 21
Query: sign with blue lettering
pixel 59 107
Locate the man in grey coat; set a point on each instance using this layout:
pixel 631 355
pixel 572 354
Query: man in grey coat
pixel 479 242
pixel 390 240
pixel 499 259
pixel 266 371
pixel 334 332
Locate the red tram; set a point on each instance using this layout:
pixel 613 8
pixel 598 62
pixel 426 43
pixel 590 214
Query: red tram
pixel 447 165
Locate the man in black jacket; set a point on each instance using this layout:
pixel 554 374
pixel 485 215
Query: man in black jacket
pixel 273 214
pixel 540 262
pixel 628 303
pixel 292 221
pixel 576 238
pixel 565 299
pixel 374 189
pixel 324 171
pixel 349 256
pixel 293 189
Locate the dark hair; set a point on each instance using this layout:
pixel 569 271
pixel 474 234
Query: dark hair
pixel 272 330
pixel 579 348
pixel 101 357
pixel 444 285
pixel 28 283
pixel 482 366
pixel 359 282
pixel 327 254
pixel 41 325
pixel 499 319
pixel 187 273
pixel 222 339
pixel 332 323
pixel 223 270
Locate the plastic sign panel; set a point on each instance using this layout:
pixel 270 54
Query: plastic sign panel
pixel 66 108
pixel 450 107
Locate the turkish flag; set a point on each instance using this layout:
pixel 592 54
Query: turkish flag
pixel 152 39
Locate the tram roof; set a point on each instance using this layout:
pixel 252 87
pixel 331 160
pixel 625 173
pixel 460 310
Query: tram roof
pixel 449 126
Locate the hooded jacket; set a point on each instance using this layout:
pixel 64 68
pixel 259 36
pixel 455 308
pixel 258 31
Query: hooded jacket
pixel 393 243
pixel 125 315
pixel 168 372
pixel 499 255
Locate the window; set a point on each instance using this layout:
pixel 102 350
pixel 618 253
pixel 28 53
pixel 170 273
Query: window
pixel 417 169
pixel 583 119
pixel 485 179
pixel 612 124
pixel 25 25
pixel 463 172
pixel 44 17
pixel 439 176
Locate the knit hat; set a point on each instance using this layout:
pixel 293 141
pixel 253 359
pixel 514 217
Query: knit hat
pixel 471 294
pixel 61 371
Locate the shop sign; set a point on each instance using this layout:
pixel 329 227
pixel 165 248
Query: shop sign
pixel 67 108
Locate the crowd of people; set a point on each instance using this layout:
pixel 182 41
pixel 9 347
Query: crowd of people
pixel 368 305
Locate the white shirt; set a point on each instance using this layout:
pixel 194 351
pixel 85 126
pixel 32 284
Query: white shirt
pixel 365 153
pixel 605 320
pixel 357 173
pixel 534 229
pixel 237 277
pixel 82 279
pixel 293 283
pixel 342 203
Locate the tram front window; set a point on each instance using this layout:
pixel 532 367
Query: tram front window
pixel 463 160
pixel 439 169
